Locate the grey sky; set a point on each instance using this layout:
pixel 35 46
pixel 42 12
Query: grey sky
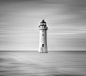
pixel 19 21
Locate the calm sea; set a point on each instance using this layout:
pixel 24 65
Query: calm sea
pixel 42 64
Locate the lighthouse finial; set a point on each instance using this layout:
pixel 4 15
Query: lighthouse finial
pixel 43 21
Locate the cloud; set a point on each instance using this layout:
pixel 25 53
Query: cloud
pixel 19 21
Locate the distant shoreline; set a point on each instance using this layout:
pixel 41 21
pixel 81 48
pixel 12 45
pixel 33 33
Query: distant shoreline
pixel 37 51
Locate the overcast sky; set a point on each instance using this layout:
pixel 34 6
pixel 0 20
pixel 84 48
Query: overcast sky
pixel 19 21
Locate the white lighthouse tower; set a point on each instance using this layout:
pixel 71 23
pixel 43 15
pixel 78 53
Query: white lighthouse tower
pixel 43 37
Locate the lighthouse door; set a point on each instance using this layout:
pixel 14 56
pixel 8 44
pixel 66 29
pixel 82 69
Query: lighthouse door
pixel 42 45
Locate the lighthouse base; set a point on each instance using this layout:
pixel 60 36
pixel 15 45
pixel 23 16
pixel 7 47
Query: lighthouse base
pixel 42 50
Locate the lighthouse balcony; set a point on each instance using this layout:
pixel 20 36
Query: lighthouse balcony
pixel 43 28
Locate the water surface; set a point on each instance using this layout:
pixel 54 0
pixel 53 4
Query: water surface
pixel 42 64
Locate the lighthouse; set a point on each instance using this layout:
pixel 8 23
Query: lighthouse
pixel 43 37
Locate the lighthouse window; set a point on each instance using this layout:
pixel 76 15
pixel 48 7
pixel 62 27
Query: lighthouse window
pixel 42 34
pixel 42 45
pixel 42 26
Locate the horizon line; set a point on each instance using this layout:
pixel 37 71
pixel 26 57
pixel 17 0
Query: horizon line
pixel 37 50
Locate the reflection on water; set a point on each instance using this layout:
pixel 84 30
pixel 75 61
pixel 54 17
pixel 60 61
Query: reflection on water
pixel 42 64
